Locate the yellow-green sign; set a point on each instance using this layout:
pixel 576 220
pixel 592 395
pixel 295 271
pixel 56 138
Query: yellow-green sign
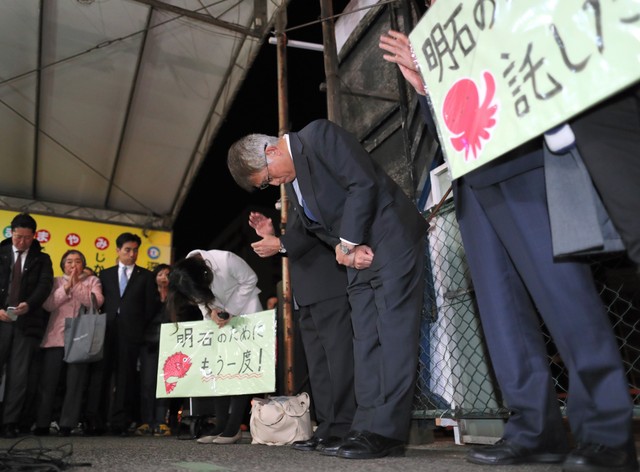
pixel 500 72
pixel 198 359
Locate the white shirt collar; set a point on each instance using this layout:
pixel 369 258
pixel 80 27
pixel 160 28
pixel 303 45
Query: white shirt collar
pixel 15 251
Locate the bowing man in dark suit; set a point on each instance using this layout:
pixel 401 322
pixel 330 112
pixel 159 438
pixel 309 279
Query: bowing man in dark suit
pixel 347 200
pixel 504 222
pixel 130 303
pixel 319 287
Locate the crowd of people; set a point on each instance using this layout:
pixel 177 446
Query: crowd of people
pixel 355 243
pixel 41 389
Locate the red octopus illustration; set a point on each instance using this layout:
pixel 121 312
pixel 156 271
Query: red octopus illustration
pixel 466 118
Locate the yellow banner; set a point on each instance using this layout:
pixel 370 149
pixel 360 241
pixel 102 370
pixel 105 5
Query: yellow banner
pixel 97 241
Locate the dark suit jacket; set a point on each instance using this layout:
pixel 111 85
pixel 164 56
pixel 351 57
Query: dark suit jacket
pixel 137 306
pixel 350 195
pixel 36 283
pixel 315 274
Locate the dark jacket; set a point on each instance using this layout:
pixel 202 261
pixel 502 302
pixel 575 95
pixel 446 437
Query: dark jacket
pixel 315 274
pixel 351 195
pixel 35 287
pixel 132 312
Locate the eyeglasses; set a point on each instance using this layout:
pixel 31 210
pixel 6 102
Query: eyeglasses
pixel 265 183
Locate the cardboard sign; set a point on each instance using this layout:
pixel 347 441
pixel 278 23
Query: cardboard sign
pixel 500 72
pixel 198 359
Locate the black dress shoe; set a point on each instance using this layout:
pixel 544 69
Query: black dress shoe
pixel 506 452
pixel 41 431
pixel 597 458
pixel 367 445
pixel 307 444
pixel 92 431
pixel 330 446
pixel 9 431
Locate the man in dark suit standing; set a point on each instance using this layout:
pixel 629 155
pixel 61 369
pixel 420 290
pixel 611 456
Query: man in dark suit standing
pixel 129 302
pixel 348 201
pixel 319 286
pixel 26 278
pixel 504 222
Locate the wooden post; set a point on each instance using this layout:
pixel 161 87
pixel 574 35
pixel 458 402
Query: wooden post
pixel 283 124
pixel 334 112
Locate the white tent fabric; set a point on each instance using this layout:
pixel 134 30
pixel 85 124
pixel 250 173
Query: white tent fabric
pixel 107 107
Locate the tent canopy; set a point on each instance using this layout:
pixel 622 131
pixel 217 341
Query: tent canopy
pixel 107 107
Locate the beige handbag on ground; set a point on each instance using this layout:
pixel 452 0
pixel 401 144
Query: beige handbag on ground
pixel 276 421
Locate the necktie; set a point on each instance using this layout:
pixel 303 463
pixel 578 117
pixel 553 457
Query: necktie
pixel 306 210
pixel 16 277
pixel 123 280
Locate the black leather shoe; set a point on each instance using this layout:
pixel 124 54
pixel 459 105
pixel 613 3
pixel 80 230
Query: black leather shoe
pixel 598 458
pixel 506 452
pixel 40 431
pixel 367 445
pixel 330 446
pixel 9 431
pixel 307 444
pixel 92 431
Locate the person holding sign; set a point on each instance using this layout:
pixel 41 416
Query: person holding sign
pixel 350 203
pixel 504 222
pixel 221 284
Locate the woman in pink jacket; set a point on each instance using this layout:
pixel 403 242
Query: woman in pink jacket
pixel 70 292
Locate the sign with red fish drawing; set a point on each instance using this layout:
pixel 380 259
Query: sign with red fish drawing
pixel 501 72
pixel 198 359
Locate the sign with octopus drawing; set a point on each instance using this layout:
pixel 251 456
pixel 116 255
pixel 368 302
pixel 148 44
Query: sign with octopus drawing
pixel 500 72
pixel 198 359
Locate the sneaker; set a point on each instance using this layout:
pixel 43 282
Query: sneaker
pixel 143 430
pixel 162 430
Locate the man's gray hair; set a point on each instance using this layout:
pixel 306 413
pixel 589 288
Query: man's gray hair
pixel 246 157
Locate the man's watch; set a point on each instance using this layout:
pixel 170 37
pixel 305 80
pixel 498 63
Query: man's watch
pixel 282 250
pixel 346 250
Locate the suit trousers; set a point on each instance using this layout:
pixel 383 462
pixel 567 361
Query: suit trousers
pixel 327 337
pixel 125 404
pixel 53 366
pixel 152 410
pixel 507 240
pixel 386 305
pixel 18 353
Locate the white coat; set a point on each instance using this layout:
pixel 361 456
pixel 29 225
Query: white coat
pixel 234 283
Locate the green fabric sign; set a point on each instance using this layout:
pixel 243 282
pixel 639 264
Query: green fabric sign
pixel 198 359
pixel 500 72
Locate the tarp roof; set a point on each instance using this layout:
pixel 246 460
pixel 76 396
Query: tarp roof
pixel 107 107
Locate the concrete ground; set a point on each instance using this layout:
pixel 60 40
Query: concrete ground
pixel 142 454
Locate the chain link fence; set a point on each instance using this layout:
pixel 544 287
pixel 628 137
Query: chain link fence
pixel 455 378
